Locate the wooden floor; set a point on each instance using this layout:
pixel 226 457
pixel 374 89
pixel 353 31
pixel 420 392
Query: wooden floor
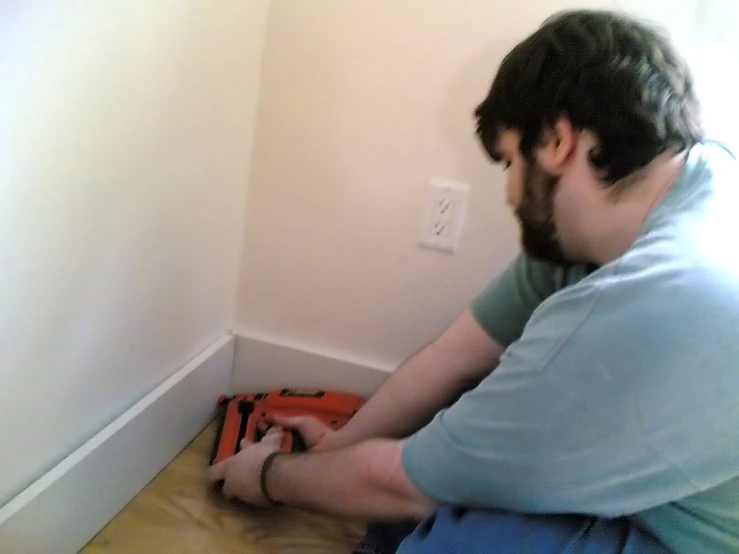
pixel 179 512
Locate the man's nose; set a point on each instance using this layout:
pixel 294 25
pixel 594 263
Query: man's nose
pixel 511 196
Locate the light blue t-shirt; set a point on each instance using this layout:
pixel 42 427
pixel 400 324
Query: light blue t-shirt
pixel 618 392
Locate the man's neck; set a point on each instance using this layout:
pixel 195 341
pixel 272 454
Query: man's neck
pixel 625 209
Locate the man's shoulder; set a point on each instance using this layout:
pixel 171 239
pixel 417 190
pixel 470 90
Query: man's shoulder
pixel 505 305
pixel 718 158
pixel 648 287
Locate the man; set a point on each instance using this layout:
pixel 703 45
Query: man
pixel 611 420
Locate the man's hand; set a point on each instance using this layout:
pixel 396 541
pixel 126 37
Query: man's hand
pixel 365 481
pixel 240 473
pixel 316 435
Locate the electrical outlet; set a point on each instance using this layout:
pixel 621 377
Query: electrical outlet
pixel 445 210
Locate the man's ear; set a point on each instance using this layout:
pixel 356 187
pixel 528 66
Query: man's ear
pixel 557 146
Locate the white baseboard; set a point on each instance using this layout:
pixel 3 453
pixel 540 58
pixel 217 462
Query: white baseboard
pixel 263 364
pixel 66 507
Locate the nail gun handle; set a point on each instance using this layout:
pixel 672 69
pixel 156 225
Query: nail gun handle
pixel 297 442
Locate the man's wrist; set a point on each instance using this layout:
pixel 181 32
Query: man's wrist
pixel 333 441
pixel 341 439
pixel 265 480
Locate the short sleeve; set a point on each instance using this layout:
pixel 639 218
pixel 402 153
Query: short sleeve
pixel 504 307
pixel 604 405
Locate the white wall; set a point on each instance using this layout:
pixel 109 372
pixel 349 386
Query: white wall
pixel 125 134
pixel 706 34
pixel 362 101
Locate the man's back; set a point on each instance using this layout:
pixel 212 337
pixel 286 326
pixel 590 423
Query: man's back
pixel 622 394
pixel 694 252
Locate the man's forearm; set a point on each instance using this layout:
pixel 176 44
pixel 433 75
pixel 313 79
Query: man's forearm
pixel 428 381
pixel 407 401
pixel 365 481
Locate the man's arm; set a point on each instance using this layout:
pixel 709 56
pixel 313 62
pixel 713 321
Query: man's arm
pixel 461 357
pixel 428 381
pixel 597 409
pixel 366 481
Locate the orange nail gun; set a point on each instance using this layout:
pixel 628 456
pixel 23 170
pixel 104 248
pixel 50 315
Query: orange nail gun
pixel 240 415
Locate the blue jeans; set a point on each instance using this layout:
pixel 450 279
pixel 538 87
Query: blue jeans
pixel 464 531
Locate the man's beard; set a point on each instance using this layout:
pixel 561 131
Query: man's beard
pixel 536 216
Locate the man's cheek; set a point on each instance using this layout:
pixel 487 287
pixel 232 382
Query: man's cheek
pixel 514 192
pixel 565 223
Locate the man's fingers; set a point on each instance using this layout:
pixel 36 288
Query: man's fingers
pixel 309 428
pixel 217 472
pixel 227 492
pixel 272 422
pixel 288 422
pixel 274 439
pixel 273 436
pixel 265 424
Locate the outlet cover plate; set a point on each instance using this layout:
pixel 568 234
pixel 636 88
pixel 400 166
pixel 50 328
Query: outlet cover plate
pixel 444 214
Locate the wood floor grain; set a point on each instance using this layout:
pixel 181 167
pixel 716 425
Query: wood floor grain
pixel 179 512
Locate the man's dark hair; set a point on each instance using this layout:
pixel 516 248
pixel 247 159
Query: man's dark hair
pixel 606 72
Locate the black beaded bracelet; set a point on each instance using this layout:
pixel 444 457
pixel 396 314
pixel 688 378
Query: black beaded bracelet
pixel 268 461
